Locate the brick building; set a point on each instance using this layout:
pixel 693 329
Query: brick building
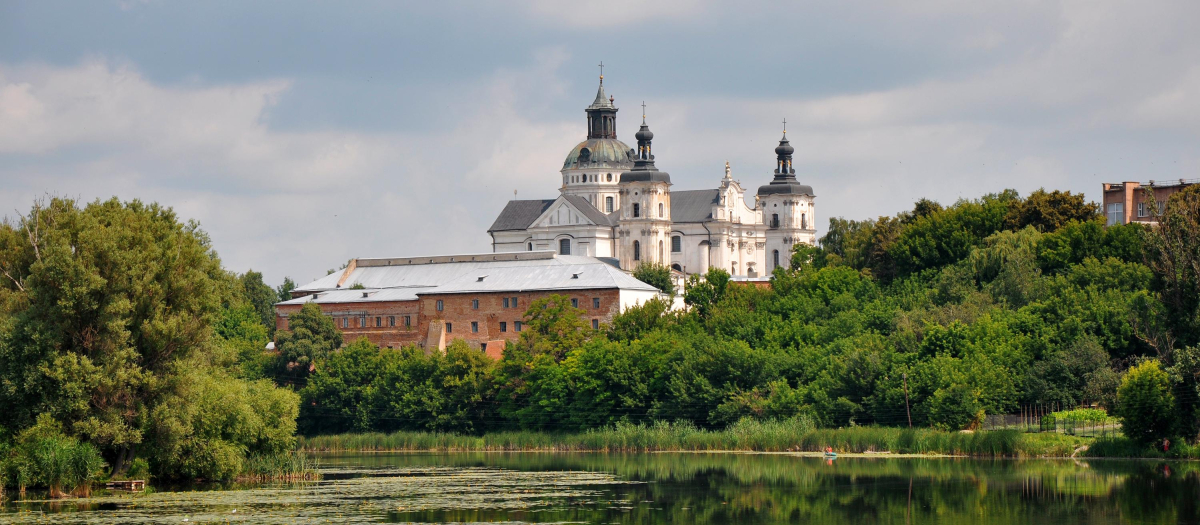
pixel 1126 202
pixel 430 301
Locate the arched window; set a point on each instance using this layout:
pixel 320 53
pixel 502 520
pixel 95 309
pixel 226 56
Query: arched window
pixel 637 210
pixel 661 213
pixel 608 202
pixel 530 246
pixel 677 267
pixel 774 220
pixel 610 177
pixel 803 221
pixel 637 250
pixel 733 269
pixel 564 246
pixel 676 244
pixel 660 251
pixel 775 258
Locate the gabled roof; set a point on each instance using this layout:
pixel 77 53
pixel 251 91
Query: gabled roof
pixel 519 215
pixel 693 205
pixel 588 210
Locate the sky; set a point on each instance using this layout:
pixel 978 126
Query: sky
pixel 302 134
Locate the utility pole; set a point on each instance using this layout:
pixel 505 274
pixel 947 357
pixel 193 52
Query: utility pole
pixel 906 410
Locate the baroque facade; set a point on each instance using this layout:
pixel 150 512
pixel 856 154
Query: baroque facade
pixel 615 203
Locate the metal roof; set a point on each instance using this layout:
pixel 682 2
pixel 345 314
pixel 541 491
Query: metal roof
pixel 601 153
pixel 519 279
pixel 359 296
pixel 518 215
pixel 589 211
pixel 693 205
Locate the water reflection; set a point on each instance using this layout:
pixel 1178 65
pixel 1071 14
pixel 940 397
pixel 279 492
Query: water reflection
pixel 685 488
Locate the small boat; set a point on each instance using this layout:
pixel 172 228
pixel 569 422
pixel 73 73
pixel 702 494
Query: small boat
pixel 831 455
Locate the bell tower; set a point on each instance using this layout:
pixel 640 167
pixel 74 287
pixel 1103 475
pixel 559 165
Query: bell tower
pixel 644 226
pixel 787 208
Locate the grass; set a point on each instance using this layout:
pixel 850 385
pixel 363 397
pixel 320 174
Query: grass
pixel 798 435
pixel 286 466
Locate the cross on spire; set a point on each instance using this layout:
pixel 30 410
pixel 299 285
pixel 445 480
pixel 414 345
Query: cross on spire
pixel 601 71
pixel 643 112
pixel 785 125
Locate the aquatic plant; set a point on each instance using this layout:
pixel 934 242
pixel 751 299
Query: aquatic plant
pixel 282 466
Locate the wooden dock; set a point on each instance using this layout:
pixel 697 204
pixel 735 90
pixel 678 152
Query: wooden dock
pixel 133 484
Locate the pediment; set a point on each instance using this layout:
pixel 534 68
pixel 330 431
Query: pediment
pixel 562 213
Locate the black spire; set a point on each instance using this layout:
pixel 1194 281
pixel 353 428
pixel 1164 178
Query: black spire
pixel 785 175
pixel 644 169
pixel 602 114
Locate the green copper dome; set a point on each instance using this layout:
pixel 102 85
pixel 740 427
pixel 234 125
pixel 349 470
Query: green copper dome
pixel 600 153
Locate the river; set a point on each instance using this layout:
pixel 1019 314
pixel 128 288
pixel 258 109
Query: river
pixel 664 488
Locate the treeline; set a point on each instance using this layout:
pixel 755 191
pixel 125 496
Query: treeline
pixel 976 308
pixel 127 350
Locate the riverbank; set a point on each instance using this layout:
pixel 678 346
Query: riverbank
pixel 772 436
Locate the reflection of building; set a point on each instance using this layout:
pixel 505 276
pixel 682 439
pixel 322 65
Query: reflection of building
pixel 1126 202
pixel 614 202
pixel 482 298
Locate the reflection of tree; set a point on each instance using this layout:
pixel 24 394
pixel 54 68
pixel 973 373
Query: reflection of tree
pixel 751 488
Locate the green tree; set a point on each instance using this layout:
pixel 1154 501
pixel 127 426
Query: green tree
pixel 101 304
pixel 261 297
pixel 702 294
pixel 656 275
pixel 1048 211
pixel 1173 252
pixel 310 337
pixel 340 394
pixel 553 327
pixel 1146 405
pixel 284 291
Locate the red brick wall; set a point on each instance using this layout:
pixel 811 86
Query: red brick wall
pixel 351 314
pixel 456 309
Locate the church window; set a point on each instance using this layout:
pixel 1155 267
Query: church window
pixel 608 203
pixel 637 249
pixel 661 213
pixel 610 177
pixel 803 221
pixel 391 320
pixel 595 302
pixel 564 246
pixel 449 328
pixel 733 269
pixel 676 244
pixel 677 267
pixel 474 327
pixel 474 304
pixel 378 322
pixel 530 246
pixel 775 258
pixel 574 303
pixel 595 324
pixel 503 326
pixel 637 210
pixel 774 220
pixel 439 305
pixel 660 251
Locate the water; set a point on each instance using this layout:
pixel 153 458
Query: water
pixel 666 488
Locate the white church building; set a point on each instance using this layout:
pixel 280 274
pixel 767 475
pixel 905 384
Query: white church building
pixel 615 203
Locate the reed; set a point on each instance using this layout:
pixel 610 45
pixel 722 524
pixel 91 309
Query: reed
pixel 284 466
pixel 798 434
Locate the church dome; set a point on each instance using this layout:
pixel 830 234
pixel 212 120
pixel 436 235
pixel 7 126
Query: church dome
pixel 600 153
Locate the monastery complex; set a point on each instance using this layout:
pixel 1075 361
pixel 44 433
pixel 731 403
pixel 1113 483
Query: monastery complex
pixel 615 210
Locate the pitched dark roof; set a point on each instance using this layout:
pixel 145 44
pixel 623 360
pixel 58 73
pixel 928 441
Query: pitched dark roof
pixel 518 215
pixel 693 205
pixel 588 210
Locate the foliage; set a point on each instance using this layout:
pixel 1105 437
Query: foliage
pixel 656 275
pixel 1146 403
pixel 283 292
pixel 1173 252
pixel 44 456
pixel 310 337
pixel 260 297
pixel 109 313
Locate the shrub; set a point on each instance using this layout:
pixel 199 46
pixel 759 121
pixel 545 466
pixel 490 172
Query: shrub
pixel 1146 405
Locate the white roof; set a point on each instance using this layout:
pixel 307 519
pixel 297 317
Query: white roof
pixel 403 278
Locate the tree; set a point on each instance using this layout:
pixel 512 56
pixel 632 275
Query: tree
pixel 1146 405
pixel 1173 252
pixel 656 275
pixel 702 294
pixel 553 327
pixel 284 291
pixel 310 337
pixel 1049 211
pixel 261 297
